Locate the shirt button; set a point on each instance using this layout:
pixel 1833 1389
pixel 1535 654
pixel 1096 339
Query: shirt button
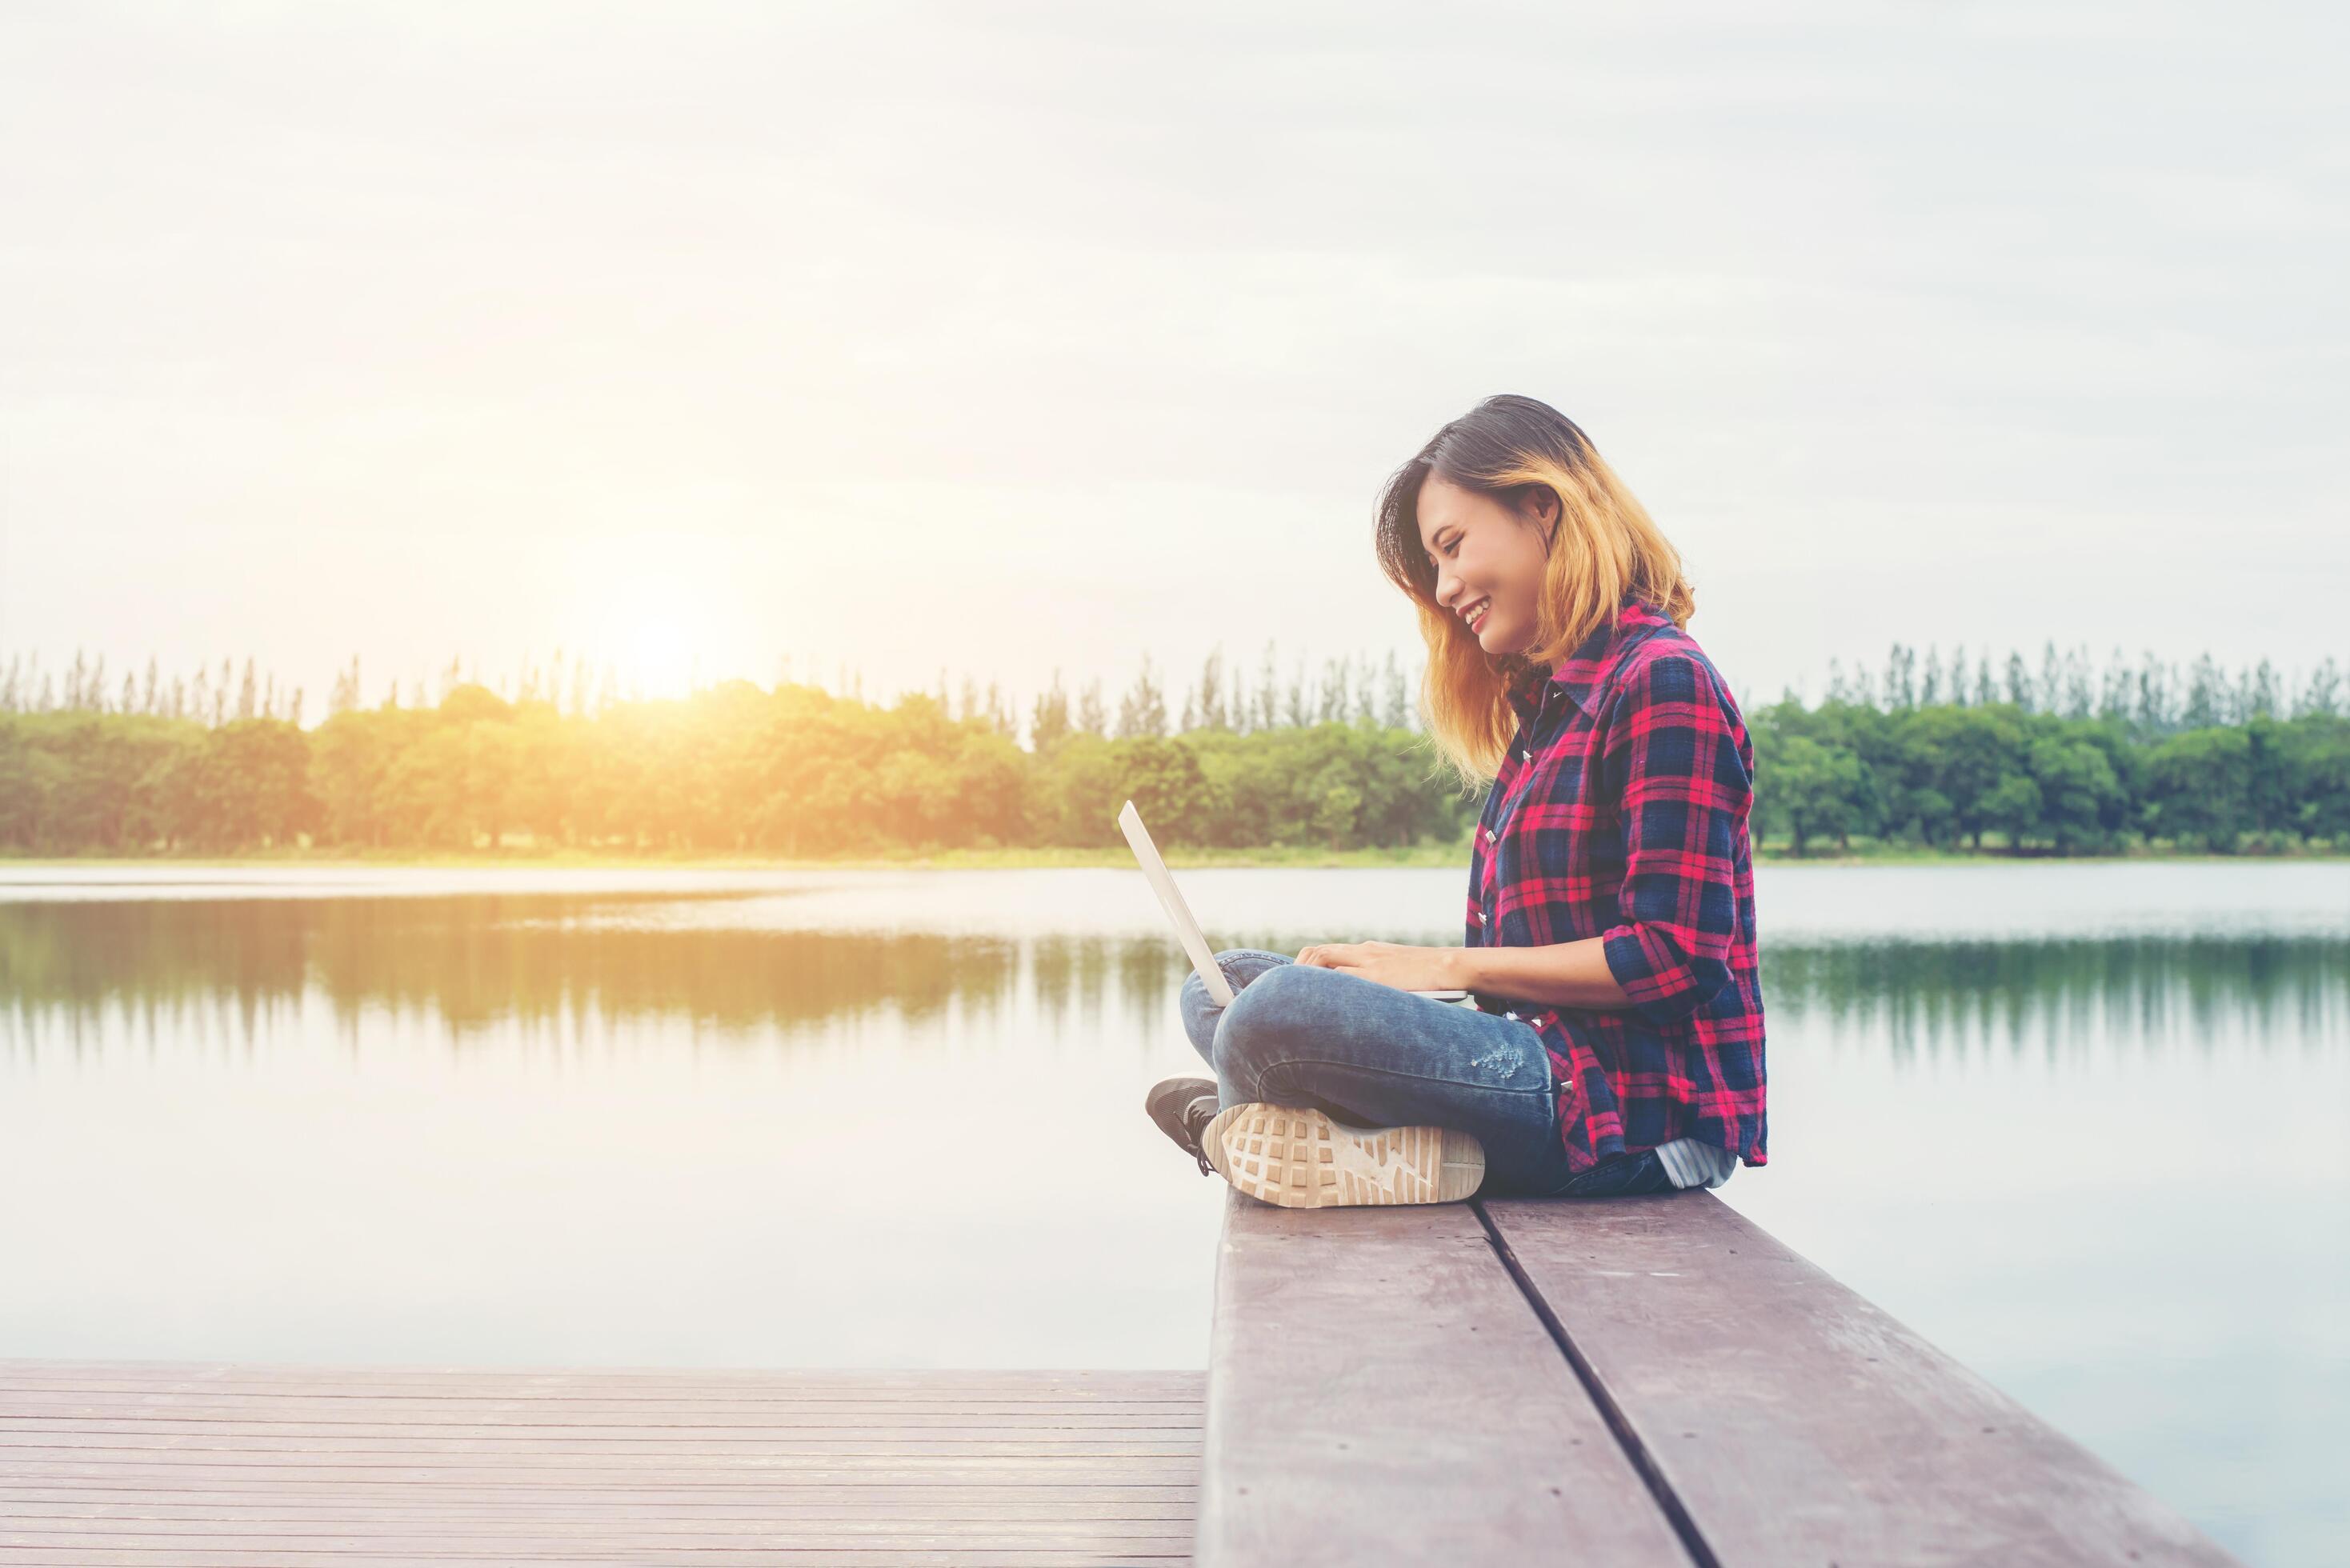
pixel 1480 917
pixel 1510 1016
pixel 1489 837
pixel 1527 755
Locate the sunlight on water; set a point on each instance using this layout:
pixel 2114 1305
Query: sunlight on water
pixel 2082 1126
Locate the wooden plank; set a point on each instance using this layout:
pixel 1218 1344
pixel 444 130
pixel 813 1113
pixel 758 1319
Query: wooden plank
pixel 685 1445
pixel 22 1412
pixel 673 1441
pixel 160 1465
pixel 785 1501
pixel 542 1469
pixel 849 1511
pixel 899 1556
pixel 879 1401
pixel 552 1536
pixel 1379 1391
pixel 720 1428
pixel 1798 1423
pixel 699 1382
pixel 197 1474
pixel 334 1387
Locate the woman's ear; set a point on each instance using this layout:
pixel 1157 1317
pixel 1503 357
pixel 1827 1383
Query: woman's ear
pixel 1541 508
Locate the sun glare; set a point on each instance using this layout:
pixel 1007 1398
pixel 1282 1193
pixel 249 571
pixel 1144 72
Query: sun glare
pixel 660 660
pixel 663 613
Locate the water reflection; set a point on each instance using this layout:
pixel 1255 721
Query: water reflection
pixel 2077 995
pixel 482 963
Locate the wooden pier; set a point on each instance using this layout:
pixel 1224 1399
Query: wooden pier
pixel 163 1465
pixel 1630 1381
pixel 1623 1382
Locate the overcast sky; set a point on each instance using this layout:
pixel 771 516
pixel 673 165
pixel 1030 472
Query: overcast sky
pixel 1008 337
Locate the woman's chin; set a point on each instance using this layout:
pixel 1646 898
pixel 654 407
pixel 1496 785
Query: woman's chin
pixel 1495 647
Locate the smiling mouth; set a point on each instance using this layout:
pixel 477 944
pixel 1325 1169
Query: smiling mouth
pixel 1476 612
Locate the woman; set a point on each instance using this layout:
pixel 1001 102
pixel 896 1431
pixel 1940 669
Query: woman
pixel 1616 1041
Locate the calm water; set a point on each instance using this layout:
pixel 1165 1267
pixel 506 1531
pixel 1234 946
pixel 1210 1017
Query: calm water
pixel 2082 1126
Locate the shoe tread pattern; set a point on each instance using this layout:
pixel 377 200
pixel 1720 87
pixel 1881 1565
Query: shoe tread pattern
pixel 1302 1159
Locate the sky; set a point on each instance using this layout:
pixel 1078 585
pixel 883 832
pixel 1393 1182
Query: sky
pixel 1008 339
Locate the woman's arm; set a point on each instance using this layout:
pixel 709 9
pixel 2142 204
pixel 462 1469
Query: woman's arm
pixel 1573 974
pixel 1683 792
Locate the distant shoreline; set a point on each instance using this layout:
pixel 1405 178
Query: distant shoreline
pixel 1417 857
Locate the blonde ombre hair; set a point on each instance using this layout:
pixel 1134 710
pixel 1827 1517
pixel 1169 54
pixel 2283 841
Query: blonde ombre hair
pixel 1605 546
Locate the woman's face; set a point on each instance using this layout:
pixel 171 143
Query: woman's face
pixel 1489 560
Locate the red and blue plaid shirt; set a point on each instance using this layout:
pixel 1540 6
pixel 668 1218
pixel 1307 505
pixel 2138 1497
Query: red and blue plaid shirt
pixel 1620 812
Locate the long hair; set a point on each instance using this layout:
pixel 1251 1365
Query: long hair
pixel 1605 547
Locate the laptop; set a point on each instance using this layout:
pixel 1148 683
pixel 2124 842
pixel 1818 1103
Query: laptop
pixel 1187 930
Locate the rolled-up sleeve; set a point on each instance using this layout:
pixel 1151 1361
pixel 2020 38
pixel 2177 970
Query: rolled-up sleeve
pixel 1673 751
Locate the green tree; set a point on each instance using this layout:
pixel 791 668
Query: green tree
pixel 2081 801
pixel 1050 725
pixel 1815 789
pixel 2315 749
pixel 247 785
pixel 2013 806
pixel 1143 711
pixel 2198 786
pixel 1167 786
pixel 1959 755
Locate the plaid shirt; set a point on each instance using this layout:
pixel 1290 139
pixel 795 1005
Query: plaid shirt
pixel 1620 812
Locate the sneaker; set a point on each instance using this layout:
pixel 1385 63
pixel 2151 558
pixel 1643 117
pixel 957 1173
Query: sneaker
pixel 1303 1159
pixel 1184 1108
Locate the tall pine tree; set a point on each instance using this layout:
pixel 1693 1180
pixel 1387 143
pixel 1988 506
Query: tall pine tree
pixel 1143 710
pixel 1049 725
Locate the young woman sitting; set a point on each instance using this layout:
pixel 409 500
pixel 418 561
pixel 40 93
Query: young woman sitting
pixel 1615 1046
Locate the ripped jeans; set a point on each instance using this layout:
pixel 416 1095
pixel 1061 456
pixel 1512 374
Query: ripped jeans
pixel 1375 1056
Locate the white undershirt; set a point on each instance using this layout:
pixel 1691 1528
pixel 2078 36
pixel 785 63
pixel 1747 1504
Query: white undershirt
pixel 1691 1163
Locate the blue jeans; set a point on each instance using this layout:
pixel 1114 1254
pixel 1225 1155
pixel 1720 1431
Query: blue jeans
pixel 1375 1056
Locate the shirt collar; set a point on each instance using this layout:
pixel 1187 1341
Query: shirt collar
pixel 1581 674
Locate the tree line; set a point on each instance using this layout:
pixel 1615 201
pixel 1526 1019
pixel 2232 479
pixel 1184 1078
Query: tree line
pixel 790 769
pixel 485 964
pixel 1930 751
pixel 2063 757
pixel 1349 688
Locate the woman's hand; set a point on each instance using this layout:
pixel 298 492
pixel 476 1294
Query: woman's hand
pixel 1389 963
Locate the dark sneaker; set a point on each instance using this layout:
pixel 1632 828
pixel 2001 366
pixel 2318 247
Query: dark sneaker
pixel 1184 1108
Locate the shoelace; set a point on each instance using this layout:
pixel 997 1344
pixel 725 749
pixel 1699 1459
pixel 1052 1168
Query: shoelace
pixel 1198 1140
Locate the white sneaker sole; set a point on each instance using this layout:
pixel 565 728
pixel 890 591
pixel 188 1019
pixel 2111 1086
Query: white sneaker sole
pixel 1303 1159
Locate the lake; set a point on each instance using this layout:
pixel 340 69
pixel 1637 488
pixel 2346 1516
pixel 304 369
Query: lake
pixel 2081 1124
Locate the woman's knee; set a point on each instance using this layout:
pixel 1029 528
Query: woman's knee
pixel 1244 967
pixel 1193 993
pixel 1276 992
pixel 1263 1020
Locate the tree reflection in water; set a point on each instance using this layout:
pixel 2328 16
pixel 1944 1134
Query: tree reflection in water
pixel 482 962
